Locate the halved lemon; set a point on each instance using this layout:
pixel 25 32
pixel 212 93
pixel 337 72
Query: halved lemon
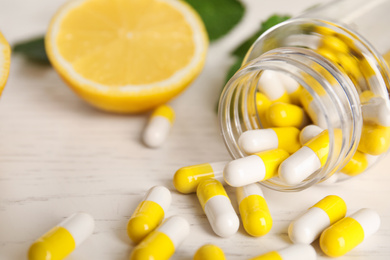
pixel 5 60
pixel 127 56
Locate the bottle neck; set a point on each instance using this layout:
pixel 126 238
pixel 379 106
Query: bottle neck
pixel 293 48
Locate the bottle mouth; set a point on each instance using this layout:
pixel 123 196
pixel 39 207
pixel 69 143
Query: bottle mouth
pixel 334 94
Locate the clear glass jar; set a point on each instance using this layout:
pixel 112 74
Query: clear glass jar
pixel 335 52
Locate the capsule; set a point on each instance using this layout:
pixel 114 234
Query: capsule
pixel 358 163
pixel 209 252
pixel 292 87
pixel 217 207
pixel 254 211
pixel 161 243
pixel 149 213
pixel 272 87
pixel 308 133
pixel 283 114
pixel 262 105
pixel 187 179
pixel 312 109
pixel 61 240
pixel 374 139
pixel 346 234
pixel 311 157
pixel 293 252
pixel 254 141
pixel 159 126
pixel 308 227
pixel 257 167
pixel 375 110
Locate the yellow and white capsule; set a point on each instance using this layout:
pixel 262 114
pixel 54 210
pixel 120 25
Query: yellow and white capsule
pixel 346 234
pixel 308 133
pixel 187 179
pixel 358 163
pixel 312 109
pixel 209 252
pixel 311 157
pixel 61 240
pixel 272 87
pixel 262 105
pixel 257 167
pixel 308 227
pixel 254 211
pixel 159 126
pixel 294 252
pixel 254 141
pixel 149 213
pixel 284 114
pixel 374 139
pixel 292 87
pixel 218 208
pixel 162 243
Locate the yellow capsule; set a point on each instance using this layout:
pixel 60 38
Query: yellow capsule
pixel 262 105
pixel 149 213
pixel 374 139
pixel 321 215
pixel 295 96
pixel 346 234
pixel 161 243
pixel 334 44
pixel 356 165
pixel 328 54
pixel 209 252
pixel 217 207
pixel 349 64
pixel 283 114
pixel 254 211
pixel 61 240
pixel 187 179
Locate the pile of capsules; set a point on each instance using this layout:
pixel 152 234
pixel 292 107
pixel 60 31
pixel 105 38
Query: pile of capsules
pixel 158 239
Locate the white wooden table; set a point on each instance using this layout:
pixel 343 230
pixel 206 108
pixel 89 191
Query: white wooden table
pixel 58 156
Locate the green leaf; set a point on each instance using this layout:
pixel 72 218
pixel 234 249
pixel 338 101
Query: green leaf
pixel 219 16
pixel 33 50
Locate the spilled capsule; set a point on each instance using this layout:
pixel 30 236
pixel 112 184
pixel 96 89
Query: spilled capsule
pixel 257 167
pixel 209 252
pixel 272 87
pixel 217 207
pixel 159 126
pixel 187 179
pixel 284 114
pixel 308 227
pixel 374 139
pixel 254 141
pixel 311 157
pixel 61 240
pixel 294 252
pixel 149 213
pixel 162 243
pixel 349 232
pixel 308 133
pixel 254 212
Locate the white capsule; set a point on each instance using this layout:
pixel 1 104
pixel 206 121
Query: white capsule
pixel 294 252
pixel 171 233
pixel 308 133
pixel 308 227
pixel 258 167
pixel 376 112
pixel 218 208
pixel 159 126
pixel 299 166
pixel 61 240
pixel 272 87
pixel 258 140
